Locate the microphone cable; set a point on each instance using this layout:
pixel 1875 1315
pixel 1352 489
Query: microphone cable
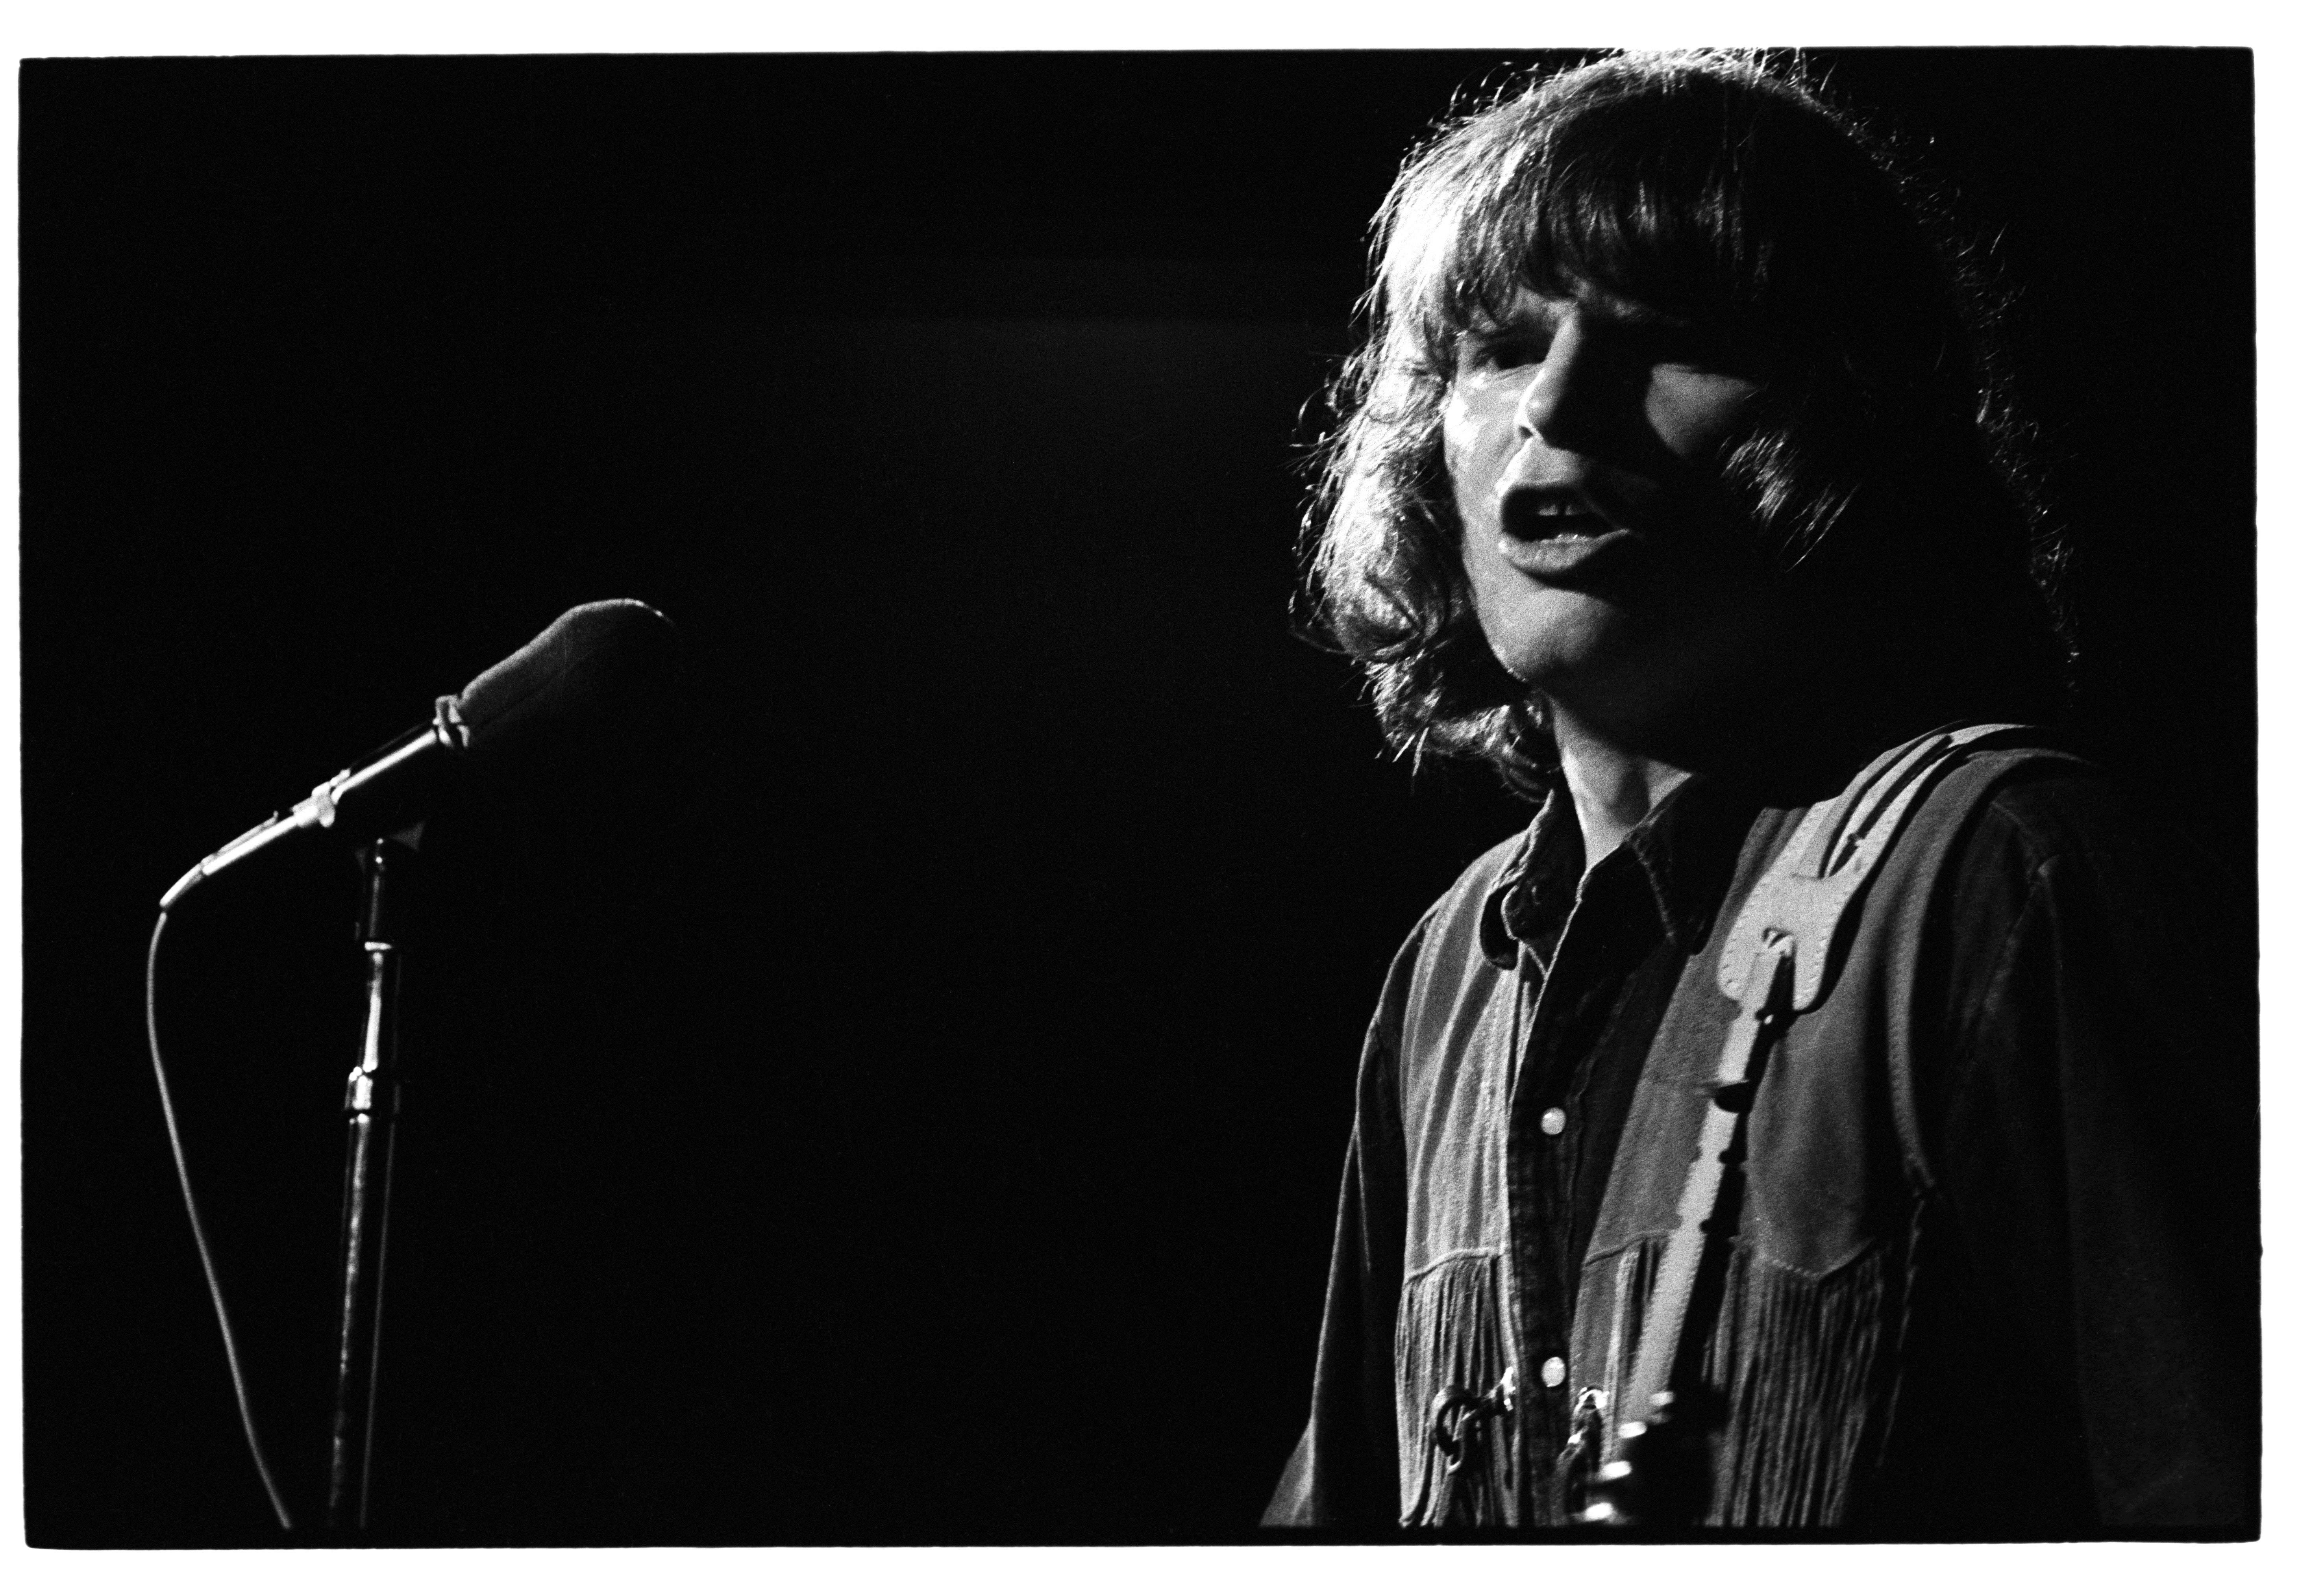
pixel 201 1239
pixel 571 673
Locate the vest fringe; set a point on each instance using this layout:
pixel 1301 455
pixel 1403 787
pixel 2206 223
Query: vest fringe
pixel 1449 1334
pixel 1795 1359
pixel 1798 1362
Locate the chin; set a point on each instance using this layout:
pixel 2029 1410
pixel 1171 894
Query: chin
pixel 1586 646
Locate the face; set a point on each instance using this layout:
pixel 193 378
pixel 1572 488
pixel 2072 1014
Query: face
pixel 1582 435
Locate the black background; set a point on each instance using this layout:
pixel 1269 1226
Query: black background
pixel 898 1096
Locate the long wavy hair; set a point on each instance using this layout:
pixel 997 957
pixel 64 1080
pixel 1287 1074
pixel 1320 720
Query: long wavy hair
pixel 1882 470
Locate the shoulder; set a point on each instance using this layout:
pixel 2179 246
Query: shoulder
pixel 2056 805
pixel 1464 902
pixel 2052 826
pixel 2065 898
pixel 1442 957
pixel 1449 926
pixel 2029 876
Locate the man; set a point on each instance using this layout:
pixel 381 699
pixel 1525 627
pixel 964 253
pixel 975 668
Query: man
pixel 1675 482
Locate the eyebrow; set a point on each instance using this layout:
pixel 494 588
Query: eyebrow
pixel 1486 318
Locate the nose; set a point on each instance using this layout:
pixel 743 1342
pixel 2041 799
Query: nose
pixel 1557 406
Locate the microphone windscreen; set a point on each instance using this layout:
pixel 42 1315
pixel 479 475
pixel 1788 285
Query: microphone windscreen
pixel 571 671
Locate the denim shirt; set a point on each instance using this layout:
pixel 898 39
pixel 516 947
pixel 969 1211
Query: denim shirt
pixel 2055 1334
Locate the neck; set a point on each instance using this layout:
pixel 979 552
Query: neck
pixel 1614 787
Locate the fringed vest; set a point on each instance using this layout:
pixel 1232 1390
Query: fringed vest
pixel 1813 1304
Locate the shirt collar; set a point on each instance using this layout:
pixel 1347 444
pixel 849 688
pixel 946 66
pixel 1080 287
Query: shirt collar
pixel 1683 852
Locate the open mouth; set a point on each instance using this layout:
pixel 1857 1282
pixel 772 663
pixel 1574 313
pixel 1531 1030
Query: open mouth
pixel 1550 515
pixel 1553 535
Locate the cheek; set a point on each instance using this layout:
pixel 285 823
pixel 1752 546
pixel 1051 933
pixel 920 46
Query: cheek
pixel 1469 456
pixel 1460 439
pixel 1695 412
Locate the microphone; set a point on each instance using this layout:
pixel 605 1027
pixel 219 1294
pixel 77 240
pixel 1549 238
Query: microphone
pixel 570 672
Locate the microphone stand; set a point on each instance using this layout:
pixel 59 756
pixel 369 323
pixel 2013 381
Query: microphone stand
pixel 371 1104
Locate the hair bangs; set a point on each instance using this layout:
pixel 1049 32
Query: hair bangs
pixel 1717 190
pixel 1643 195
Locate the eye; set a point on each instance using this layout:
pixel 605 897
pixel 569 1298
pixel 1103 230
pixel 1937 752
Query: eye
pixel 1682 344
pixel 1499 349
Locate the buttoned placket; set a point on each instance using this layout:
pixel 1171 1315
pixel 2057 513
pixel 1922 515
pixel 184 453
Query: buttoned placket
pixel 1553 995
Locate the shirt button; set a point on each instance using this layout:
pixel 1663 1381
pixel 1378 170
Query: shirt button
pixel 1552 1121
pixel 1552 1372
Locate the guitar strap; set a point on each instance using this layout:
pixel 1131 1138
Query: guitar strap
pixel 1777 963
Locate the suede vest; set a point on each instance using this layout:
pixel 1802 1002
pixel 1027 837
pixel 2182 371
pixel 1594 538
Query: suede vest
pixel 1813 1301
